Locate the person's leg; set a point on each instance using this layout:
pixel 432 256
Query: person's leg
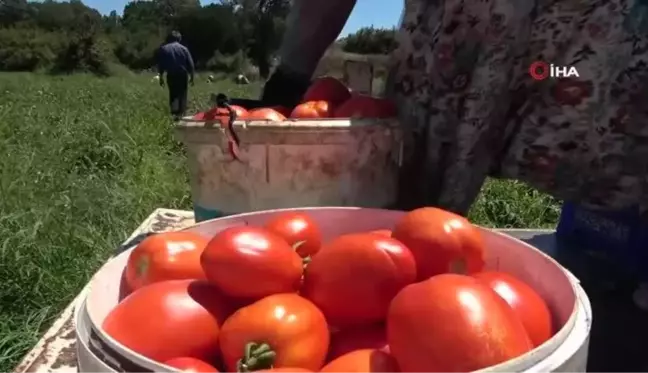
pixel 453 95
pixel 172 84
pixel 178 89
pixel 312 26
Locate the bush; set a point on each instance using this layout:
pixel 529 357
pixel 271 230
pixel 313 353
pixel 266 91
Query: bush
pixel 87 53
pixel 28 49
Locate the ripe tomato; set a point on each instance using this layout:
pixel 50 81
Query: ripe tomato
pixel 296 370
pixel 165 256
pixel 453 323
pixel 361 106
pixel 383 232
pixel 312 109
pixel 287 324
pixel 367 360
pixel 353 278
pixel 251 262
pixel 299 230
pixel 329 89
pixel 368 337
pixel 441 242
pixel 528 304
pixel 264 114
pixel 190 365
pixel 168 319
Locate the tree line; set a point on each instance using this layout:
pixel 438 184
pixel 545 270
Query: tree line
pixel 229 36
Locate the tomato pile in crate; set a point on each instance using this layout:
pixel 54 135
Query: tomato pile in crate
pixel 274 297
pixel 327 97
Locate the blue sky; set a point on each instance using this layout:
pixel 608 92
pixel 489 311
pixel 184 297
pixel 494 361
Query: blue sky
pixel 379 13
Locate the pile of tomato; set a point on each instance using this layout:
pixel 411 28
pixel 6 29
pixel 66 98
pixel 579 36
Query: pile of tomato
pixel 414 297
pixel 327 97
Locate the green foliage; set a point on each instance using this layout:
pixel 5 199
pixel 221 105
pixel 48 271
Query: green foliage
pixel 369 40
pixel 69 36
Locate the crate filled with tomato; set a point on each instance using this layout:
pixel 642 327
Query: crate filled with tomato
pixel 331 290
pixel 326 98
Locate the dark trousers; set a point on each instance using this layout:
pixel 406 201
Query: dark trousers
pixel 178 88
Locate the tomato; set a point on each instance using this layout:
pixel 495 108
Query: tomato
pixel 361 106
pixel 353 278
pixel 367 360
pixel 441 242
pixel 329 89
pixel 264 114
pixel 287 324
pixel 299 230
pixel 251 262
pixel 529 305
pixel 453 323
pixel 383 232
pixel 190 365
pixel 312 109
pixel 165 256
pixel 368 337
pixel 169 319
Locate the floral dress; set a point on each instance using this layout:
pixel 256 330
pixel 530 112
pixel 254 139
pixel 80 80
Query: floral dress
pixel 471 108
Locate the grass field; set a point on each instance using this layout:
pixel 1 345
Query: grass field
pixel 84 160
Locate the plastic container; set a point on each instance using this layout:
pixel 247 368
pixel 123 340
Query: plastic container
pixel 329 162
pixel 570 307
pixel 619 236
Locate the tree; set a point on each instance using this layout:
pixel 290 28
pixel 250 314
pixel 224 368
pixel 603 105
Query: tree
pixel 369 40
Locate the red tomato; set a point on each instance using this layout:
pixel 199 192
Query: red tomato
pixel 441 242
pixel 360 106
pixel 168 319
pixel 383 232
pixel 368 337
pixel 166 256
pixel 299 230
pixel 297 370
pixel 363 361
pixel 264 114
pixel 312 109
pixel 453 323
pixel 528 304
pixel 354 277
pixel 287 324
pixel 190 365
pixel 251 262
pixel 329 89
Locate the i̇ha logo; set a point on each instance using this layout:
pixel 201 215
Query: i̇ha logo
pixel 540 70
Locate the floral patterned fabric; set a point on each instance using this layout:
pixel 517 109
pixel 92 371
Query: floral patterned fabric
pixel 472 110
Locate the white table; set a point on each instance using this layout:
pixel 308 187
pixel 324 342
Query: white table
pixel 56 351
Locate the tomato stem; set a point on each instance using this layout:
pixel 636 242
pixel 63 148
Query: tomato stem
pixel 257 356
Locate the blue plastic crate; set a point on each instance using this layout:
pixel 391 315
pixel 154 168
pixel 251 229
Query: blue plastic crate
pixel 619 236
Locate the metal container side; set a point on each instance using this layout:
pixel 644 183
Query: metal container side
pixel 294 163
pixel 565 351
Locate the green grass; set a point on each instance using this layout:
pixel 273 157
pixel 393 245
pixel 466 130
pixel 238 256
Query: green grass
pixel 84 160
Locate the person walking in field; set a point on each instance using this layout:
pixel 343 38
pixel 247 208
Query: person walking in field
pixel 174 60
